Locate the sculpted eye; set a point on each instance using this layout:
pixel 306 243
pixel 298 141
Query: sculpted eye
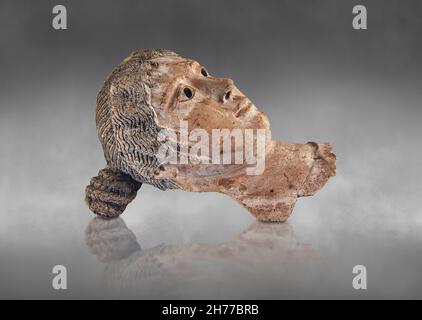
pixel 187 93
pixel 204 72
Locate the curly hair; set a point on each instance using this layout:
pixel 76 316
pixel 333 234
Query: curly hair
pixel 126 121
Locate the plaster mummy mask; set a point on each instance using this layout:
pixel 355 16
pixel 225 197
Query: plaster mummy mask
pixel 156 91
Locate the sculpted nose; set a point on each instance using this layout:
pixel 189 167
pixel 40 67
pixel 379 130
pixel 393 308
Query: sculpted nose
pixel 226 90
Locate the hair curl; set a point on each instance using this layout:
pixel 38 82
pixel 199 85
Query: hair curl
pixel 126 121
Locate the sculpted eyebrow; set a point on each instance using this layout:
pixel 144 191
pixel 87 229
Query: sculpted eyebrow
pixel 266 178
pixel 172 93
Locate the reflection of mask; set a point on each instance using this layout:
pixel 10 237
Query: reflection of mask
pixel 110 240
pixel 153 91
pixel 267 250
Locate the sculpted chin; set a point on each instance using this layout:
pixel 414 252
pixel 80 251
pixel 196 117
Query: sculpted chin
pixel 155 90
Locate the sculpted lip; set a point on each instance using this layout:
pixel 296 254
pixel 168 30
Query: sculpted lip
pixel 156 89
pixel 242 108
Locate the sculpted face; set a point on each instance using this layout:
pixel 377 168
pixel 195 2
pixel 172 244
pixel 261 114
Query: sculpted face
pixel 156 89
pixel 184 90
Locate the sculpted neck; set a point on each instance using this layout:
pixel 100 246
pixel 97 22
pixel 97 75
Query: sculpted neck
pixel 291 171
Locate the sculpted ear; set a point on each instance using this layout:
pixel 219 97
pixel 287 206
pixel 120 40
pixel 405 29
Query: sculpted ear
pixel 110 192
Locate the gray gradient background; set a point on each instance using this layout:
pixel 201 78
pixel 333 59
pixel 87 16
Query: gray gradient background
pixel 299 61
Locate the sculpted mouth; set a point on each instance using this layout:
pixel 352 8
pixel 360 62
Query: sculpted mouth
pixel 242 109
